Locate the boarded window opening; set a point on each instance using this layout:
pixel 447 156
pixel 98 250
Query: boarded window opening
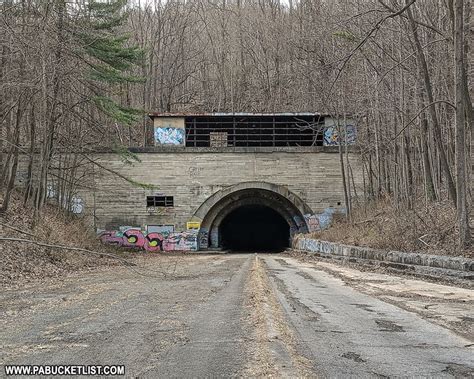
pixel 159 201
pixel 218 139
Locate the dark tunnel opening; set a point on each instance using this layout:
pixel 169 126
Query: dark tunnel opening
pixel 254 228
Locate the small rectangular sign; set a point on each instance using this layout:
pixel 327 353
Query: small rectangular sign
pixel 193 225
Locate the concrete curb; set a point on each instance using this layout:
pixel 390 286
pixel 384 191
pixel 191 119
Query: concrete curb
pixel 464 267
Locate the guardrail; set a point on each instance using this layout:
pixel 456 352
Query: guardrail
pixel 417 262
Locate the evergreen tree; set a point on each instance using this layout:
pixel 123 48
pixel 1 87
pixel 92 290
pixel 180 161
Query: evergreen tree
pixel 104 47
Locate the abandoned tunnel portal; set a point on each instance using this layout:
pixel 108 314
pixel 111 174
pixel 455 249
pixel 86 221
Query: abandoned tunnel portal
pixel 254 227
pixel 256 216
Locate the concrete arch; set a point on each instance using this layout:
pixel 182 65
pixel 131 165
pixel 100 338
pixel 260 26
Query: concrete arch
pixel 213 211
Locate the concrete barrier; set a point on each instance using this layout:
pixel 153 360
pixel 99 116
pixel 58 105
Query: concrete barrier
pixel 395 259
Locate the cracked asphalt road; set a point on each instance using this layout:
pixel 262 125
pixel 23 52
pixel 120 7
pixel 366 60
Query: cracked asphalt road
pixel 241 315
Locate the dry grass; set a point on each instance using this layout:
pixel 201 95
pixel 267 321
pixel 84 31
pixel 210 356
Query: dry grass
pixel 270 328
pixel 382 226
pixel 21 262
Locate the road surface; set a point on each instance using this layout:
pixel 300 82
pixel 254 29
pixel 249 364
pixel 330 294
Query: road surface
pixel 241 315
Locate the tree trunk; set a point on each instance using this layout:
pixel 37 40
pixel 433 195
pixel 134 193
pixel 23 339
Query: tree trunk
pixel 433 113
pixel 460 70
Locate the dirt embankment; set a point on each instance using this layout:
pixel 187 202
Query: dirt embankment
pixel 430 230
pixel 24 261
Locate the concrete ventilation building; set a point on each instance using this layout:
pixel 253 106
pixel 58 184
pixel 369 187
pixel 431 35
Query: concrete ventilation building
pixel 240 181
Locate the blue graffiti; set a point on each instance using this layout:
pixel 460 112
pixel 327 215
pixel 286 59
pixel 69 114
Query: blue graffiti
pixel 325 218
pixel 169 136
pixel 331 136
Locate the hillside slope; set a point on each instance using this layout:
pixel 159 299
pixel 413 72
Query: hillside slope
pixel 22 261
pixel 422 229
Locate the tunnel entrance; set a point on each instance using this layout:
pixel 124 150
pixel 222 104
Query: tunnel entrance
pixel 251 216
pixel 254 228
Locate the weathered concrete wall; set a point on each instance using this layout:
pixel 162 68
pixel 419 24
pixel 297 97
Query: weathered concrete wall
pixel 454 266
pixel 470 37
pixel 308 179
pixel 191 177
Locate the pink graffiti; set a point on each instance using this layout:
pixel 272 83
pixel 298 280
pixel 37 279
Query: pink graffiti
pixel 151 242
pixel 133 238
pixel 154 242
pixel 111 238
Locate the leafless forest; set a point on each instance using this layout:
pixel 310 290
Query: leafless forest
pixel 80 75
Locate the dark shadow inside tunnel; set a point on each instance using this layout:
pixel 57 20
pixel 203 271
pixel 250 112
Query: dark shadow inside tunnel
pixel 254 228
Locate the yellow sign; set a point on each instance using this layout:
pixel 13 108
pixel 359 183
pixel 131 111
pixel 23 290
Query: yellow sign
pixel 193 225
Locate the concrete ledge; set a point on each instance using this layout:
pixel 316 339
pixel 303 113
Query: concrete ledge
pixel 241 149
pixel 204 150
pixel 389 258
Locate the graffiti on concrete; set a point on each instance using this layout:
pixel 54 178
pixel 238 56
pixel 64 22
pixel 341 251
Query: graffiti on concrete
pixel 74 204
pixel 314 245
pixel 312 221
pixel 182 241
pixel 298 221
pixel 307 244
pixel 153 241
pixel 77 205
pixel 325 218
pixel 164 230
pixel 317 222
pixel 51 192
pixel 133 238
pixel 203 238
pixel 169 136
pixel 331 135
pixel 194 171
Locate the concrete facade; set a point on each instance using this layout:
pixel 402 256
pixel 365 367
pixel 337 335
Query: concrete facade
pixel 270 176
pixel 300 183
